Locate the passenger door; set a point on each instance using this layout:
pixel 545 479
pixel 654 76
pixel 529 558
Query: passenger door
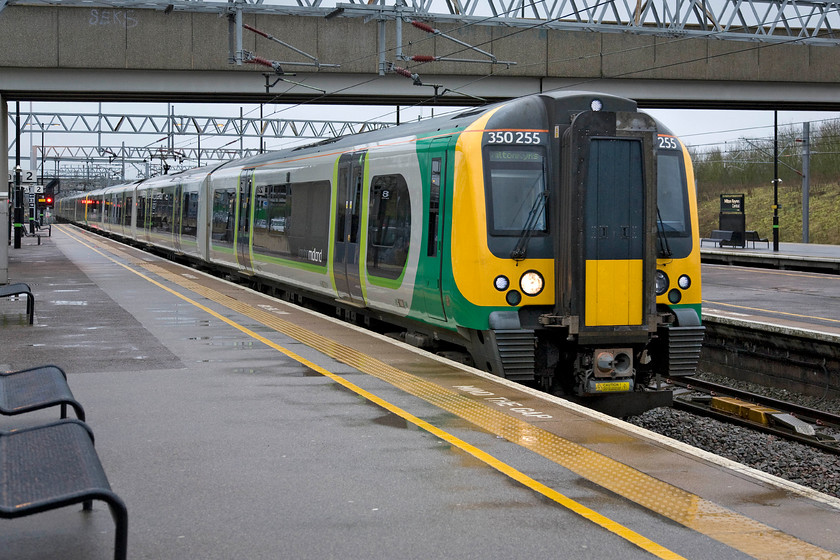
pixel 243 232
pixel 348 224
pixel 176 218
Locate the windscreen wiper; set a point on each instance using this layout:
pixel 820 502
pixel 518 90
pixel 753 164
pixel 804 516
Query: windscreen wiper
pixel 521 249
pixel 663 239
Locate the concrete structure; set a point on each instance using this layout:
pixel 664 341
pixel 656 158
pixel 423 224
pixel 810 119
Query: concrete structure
pixel 76 53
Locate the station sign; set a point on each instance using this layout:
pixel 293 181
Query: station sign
pixel 26 176
pixel 732 204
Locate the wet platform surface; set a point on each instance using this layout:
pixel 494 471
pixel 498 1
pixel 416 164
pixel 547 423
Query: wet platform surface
pixel 791 256
pixel 235 426
pixel 782 294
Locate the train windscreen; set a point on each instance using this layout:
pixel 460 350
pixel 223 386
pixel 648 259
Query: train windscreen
pixel 674 219
pixel 516 185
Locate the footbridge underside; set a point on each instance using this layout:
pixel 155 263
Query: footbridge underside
pixel 50 52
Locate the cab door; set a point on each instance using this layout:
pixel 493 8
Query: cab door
pixel 435 229
pixel 243 219
pixel 348 225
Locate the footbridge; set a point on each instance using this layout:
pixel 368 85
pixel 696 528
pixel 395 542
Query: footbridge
pixel 779 54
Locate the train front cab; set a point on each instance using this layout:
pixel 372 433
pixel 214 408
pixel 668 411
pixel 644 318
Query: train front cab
pixel 597 329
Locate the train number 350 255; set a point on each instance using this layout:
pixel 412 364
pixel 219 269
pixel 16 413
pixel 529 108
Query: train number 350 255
pixel 513 137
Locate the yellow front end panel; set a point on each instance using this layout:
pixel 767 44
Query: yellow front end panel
pixel 614 293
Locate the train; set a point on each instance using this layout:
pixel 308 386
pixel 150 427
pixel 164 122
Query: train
pixel 551 239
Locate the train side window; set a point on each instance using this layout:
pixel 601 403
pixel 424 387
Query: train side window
pixel 271 214
pixel 308 222
pixel 292 221
pixel 116 209
pixel 389 226
pixel 223 216
pixel 189 214
pixel 129 209
pixel 162 202
pixel 434 208
pixel 141 211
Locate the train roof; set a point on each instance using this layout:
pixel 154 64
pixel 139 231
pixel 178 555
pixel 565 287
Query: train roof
pixel 573 101
pixel 569 102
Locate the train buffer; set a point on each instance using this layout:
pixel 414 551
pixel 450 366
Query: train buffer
pixel 52 466
pixel 35 389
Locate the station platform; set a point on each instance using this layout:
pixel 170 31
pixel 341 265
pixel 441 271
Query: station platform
pixel 234 425
pixel 790 256
pixel 787 292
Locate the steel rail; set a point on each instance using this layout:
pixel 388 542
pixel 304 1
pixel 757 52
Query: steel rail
pixel 804 412
pixel 801 412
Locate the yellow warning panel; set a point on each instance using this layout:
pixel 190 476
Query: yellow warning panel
pixel 614 292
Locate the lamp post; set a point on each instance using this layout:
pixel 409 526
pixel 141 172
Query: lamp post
pixel 776 181
pixel 18 219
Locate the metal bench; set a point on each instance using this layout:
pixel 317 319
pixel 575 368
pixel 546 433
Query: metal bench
pixel 719 237
pixel 36 230
pixel 20 289
pixel 753 237
pixel 35 389
pixel 53 466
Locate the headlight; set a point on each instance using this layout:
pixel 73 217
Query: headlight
pixel 684 282
pixel 662 282
pixel 501 283
pixel 674 296
pixel 532 282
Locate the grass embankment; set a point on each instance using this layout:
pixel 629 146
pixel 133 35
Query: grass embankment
pixel 747 167
pixel 824 212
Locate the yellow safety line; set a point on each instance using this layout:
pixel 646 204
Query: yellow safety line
pixel 740 532
pixel 589 514
pixel 705 301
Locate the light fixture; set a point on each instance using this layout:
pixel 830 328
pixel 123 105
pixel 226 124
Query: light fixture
pixel 531 282
pixel 662 282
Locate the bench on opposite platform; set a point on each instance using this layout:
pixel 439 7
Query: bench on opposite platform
pixel 720 237
pixel 753 237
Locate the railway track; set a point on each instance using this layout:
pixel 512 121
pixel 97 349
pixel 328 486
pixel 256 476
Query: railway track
pixel 790 421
